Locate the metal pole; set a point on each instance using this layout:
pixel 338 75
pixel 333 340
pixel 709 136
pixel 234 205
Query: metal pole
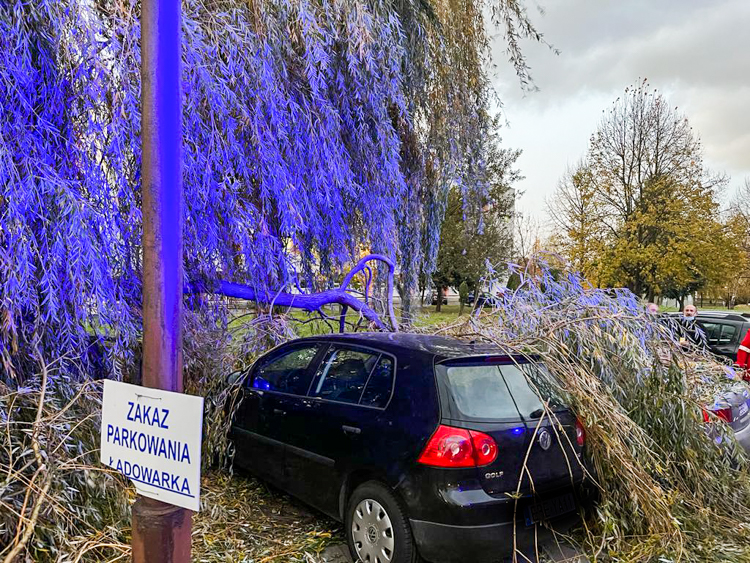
pixel 161 532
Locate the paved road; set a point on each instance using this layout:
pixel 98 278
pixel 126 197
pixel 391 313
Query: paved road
pixel 551 553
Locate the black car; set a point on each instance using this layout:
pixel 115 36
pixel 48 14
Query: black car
pixel 483 300
pixel 415 442
pixel 724 331
pixel 720 331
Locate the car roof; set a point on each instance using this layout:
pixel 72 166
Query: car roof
pixel 439 347
pixel 726 315
pixel 723 315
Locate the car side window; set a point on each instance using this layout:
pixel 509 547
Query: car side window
pixel 286 372
pixel 728 333
pixel 379 387
pixel 343 374
pixel 713 332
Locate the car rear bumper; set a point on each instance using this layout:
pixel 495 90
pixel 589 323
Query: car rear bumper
pixel 443 543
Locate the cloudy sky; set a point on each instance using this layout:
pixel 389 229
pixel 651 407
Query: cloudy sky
pixel 696 52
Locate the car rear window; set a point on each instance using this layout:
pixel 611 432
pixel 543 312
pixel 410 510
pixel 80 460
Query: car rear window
pixel 498 391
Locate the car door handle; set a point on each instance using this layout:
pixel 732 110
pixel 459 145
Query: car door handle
pixel 279 412
pixel 350 429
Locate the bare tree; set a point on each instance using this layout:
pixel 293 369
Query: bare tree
pixel 527 238
pixel 641 138
pixel 740 205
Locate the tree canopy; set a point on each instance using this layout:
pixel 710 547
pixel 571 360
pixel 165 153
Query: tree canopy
pixel 474 235
pixel 641 210
pixel 312 131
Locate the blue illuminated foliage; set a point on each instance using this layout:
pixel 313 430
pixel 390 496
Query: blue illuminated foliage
pixel 312 131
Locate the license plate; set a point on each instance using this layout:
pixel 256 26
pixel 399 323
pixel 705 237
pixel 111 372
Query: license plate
pixel 743 409
pixel 549 508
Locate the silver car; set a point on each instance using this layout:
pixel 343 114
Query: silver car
pixel 734 408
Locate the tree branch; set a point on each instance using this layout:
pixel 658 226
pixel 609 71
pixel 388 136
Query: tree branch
pixel 309 302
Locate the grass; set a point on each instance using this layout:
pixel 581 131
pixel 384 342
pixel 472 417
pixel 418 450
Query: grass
pixel 428 316
pixel 309 324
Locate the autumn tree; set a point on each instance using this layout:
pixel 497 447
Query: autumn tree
pixel 644 201
pixel 576 214
pixel 737 287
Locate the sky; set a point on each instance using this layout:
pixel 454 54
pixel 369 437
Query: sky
pixel 695 52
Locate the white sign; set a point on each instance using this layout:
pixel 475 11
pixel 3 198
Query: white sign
pixel 153 437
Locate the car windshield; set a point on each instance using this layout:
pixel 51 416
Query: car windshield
pixel 500 391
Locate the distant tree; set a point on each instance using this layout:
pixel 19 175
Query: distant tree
pixel 479 233
pixel 641 208
pixel 577 216
pixel 463 295
pixel 741 203
pixel 737 288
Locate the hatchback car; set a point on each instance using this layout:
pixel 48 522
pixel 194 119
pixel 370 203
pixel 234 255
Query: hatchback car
pixel 733 407
pixel 417 443
pixel 434 298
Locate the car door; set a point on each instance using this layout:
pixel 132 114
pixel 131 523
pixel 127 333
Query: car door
pixel 722 337
pixel 260 429
pixel 336 425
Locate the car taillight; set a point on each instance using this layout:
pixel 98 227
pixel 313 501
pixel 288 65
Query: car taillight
pixel 458 447
pixel 485 448
pixel 724 414
pixel 580 433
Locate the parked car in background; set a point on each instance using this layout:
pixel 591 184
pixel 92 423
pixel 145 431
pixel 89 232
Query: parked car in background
pixel 434 298
pixel 484 300
pixel 720 331
pixel 733 407
pixel 724 331
pixel 416 442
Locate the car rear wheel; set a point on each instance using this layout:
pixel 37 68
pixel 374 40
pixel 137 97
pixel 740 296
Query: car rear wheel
pixel 376 527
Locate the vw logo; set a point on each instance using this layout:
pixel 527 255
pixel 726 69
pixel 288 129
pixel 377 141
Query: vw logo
pixel 545 440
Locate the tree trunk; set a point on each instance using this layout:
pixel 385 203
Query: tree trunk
pixel 439 298
pixel 407 307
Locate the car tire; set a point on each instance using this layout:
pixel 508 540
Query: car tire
pixel 376 521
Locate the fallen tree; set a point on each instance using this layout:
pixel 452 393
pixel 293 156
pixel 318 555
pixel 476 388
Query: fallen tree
pixel 314 302
pixel 673 486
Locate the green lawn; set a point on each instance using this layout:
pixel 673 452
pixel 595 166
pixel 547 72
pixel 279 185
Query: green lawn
pixel 428 316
